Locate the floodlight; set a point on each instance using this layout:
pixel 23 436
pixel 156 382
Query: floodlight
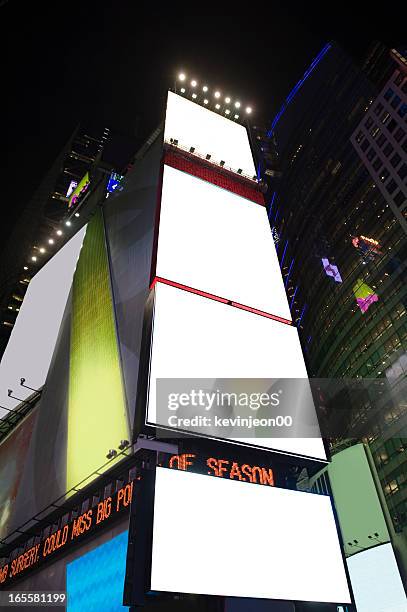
pixel 248 110
pixel 193 83
pixel 237 104
pixel 217 94
pixel 181 76
pixel 205 88
pixel 227 100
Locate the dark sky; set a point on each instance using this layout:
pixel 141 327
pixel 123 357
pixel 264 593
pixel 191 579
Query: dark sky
pixel 111 62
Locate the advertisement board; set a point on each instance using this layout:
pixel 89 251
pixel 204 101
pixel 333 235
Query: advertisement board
pixel 216 241
pixel 208 132
pixel 244 540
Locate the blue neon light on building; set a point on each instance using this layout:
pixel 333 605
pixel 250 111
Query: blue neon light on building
pixel 297 86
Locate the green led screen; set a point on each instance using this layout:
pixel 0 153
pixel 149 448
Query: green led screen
pixel 97 416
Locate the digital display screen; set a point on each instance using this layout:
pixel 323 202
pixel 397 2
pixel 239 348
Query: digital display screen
pixel 216 241
pixel 95 580
pixel 244 540
pixel 376 582
pixel 210 133
pixel 29 350
pixel 197 337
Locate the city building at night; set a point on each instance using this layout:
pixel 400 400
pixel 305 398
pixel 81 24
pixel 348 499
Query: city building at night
pixel 118 491
pixel 338 209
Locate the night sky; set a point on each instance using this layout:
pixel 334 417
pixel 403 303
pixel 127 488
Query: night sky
pixel 110 63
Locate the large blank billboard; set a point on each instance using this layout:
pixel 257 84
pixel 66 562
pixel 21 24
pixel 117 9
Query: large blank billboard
pixel 195 126
pixel 244 540
pixel 29 350
pixel 376 582
pixel 194 337
pixel 218 242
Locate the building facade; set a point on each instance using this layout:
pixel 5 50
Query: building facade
pixel 338 210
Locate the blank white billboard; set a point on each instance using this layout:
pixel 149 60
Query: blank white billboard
pixel 29 350
pixel 198 337
pixel 244 540
pixel 376 582
pixel 195 126
pixel 218 242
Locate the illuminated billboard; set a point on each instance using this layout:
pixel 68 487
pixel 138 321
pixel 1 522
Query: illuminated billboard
pixel 194 337
pixel 81 187
pixel 193 125
pixel 216 241
pixel 295 555
pixel 359 511
pixel 376 582
pixel 31 345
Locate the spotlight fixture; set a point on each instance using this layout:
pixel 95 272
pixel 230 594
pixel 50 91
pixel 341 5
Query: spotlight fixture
pixel 33 258
pixel 111 454
pixel 193 83
pixel 208 156
pixel 68 223
pixel 51 241
pixel 182 89
pixel 205 88
pixel 77 214
pixel 222 162
pixel 217 94
pixel 248 110
pixel 239 171
pixel 59 232
pixel 192 149
pixel 227 100
pixel 236 116
pixel 217 106
pixel 25 268
pixel 123 444
pixel 42 250
pixel 237 104
pixel 227 112
pixel 194 95
pixel 206 101
pixel 181 76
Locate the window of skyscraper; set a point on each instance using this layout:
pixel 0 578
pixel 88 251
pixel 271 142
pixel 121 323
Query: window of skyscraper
pixel 377 164
pixel 364 145
pixel 399 134
pixel 399 198
pixel 388 94
pixel 391 125
pixel 395 160
pixel 396 101
pixel 381 140
pixel 369 123
pixel 391 186
pixel 371 154
pixel 359 137
pixel 402 110
pixel 385 117
pixel 402 172
pixel 378 108
pixel 404 145
pixel 399 78
pixel 388 149
pixel 404 88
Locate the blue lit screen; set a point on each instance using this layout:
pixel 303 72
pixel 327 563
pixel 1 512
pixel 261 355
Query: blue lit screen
pixel 94 581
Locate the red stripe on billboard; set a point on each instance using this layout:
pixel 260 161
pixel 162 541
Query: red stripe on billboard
pixel 217 298
pixel 214 174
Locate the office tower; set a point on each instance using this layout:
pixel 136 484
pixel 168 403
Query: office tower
pixel 342 249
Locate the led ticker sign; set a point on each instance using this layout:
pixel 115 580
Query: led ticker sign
pixel 89 521
pixel 225 468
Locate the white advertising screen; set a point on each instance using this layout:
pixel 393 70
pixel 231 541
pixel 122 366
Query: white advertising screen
pixel 218 242
pixel 195 126
pixel 376 582
pixel 29 350
pixel 244 540
pixel 197 337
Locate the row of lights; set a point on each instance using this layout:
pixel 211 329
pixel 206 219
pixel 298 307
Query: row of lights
pixel 217 95
pixel 51 241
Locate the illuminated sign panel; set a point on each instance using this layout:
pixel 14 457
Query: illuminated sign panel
pixel 293 553
pixel 79 190
pixel 29 351
pixel 197 337
pixel 218 242
pixel 376 581
pixel 210 133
